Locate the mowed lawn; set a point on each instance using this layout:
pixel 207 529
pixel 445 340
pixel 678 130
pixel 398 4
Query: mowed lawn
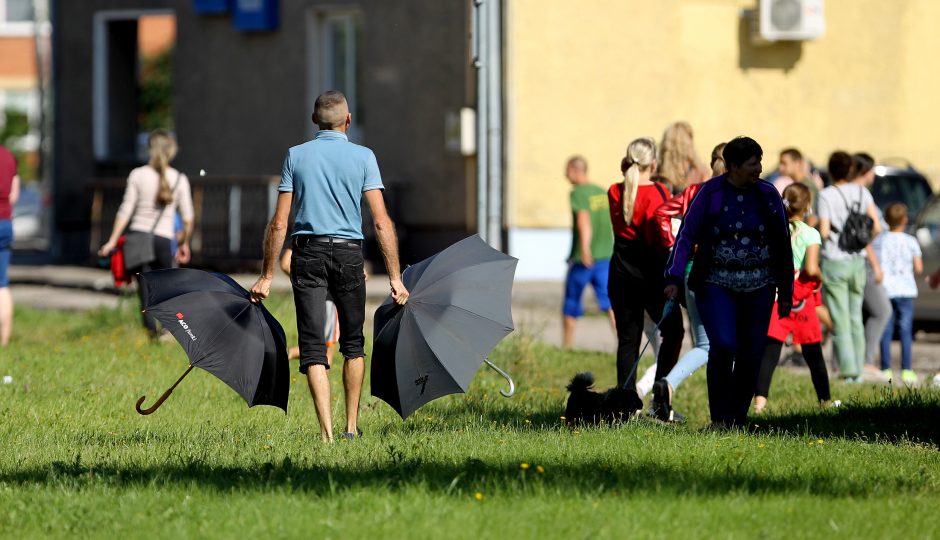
pixel 77 460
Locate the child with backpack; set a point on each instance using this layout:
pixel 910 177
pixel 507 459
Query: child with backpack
pixel 900 258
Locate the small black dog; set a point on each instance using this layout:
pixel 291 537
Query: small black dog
pixel 590 407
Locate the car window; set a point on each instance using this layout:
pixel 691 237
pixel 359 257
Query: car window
pixel 909 189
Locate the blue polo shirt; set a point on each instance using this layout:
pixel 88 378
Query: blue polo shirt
pixel 328 176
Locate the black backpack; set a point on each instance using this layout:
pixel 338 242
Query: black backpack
pixel 856 231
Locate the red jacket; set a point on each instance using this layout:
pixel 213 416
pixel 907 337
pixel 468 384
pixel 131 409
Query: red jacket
pixel 675 207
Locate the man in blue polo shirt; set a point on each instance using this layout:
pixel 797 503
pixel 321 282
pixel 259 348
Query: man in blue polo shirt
pixel 328 177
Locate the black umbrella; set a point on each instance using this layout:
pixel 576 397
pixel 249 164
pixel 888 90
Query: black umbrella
pixel 458 309
pixel 222 331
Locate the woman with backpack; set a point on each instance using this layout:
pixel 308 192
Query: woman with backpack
pixel 636 267
pixel 848 221
pixel 737 228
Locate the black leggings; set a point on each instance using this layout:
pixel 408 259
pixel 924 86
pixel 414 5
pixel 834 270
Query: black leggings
pixel 163 249
pixel 812 352
pixel 635 287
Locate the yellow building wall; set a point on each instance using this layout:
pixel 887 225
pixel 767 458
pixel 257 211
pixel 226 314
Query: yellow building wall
pixel 587 77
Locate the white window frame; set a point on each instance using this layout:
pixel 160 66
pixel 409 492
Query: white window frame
pixel 320 58
pixel 15 28
pixel 99 86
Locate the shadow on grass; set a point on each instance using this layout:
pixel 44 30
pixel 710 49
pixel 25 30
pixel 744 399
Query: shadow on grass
pixel 398 472
pixel 903 416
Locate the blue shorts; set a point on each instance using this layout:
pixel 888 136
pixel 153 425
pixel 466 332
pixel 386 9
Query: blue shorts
pixel 6 241
pixel 578 278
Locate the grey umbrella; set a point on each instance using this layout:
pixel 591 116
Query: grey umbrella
pixel 459 308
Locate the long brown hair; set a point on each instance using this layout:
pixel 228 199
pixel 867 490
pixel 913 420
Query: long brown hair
pixel 162 149
pixel 677 156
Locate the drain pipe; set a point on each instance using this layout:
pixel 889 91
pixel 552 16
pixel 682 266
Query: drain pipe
pixel 480 61
pixel 494 83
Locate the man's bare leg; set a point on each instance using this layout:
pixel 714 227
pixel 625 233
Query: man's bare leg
pixel 319 383
pixel 567 336
pixel 354 371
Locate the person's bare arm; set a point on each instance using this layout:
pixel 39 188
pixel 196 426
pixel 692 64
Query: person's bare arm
pixel 388 243
pixel 183 253
pixel 15 190
pixel 583 221
pixel 872 212
pixel 875 263
pixel 918 265
pixel 273 240
pixel 811 263
pixel 825 227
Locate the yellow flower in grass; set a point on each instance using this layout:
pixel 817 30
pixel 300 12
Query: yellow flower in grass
pixel 820 441
pixel 524 466
pixel 540 469
pixel 478 496
pixel 760 445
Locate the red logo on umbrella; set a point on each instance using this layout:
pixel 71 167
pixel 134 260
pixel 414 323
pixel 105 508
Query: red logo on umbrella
pixel 179 315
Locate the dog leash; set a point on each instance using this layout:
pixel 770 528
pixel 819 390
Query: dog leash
pixel 667 310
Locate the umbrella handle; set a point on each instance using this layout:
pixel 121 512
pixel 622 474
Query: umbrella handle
pixel 512 384
pixel 160 401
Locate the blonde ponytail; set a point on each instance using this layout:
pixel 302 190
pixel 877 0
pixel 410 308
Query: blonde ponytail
pixel 162 149
pixel 641 153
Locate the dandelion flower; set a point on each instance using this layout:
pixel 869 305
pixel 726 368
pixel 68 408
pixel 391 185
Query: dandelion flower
pixel 820 441
pixel 478 496
pixel 524 466
pixel 540 469
pixel 761 445
pixel 562 418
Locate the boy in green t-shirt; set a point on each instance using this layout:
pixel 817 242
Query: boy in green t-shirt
pixel 591 246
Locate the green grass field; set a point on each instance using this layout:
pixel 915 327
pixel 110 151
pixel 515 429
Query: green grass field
pixel 77 461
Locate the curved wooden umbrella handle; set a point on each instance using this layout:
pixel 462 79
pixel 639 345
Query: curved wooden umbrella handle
pixel 160 401
pixel 512 384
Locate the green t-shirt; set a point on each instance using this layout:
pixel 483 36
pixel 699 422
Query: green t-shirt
pixel 801 237
pixel 593 199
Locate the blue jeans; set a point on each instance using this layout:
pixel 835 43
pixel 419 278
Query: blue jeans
pixel 578 278
pixel 6 240
pixel 736 324
pixel 698 355
pixel 903 313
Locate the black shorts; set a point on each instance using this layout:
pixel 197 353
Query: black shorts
pixel 318 269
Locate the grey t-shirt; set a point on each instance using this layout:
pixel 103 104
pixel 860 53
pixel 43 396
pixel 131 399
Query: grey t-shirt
pixel 834 204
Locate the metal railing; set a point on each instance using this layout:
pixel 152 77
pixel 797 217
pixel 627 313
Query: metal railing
pixel 231 213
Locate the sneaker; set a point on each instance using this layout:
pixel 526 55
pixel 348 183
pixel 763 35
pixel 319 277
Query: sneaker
pixel 908 376
pixel 888 374
pixel 936 379
pixel 350 435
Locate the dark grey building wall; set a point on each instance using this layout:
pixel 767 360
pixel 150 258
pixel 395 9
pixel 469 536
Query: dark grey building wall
pixel 241 99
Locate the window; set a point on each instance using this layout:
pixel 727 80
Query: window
pixel 19 116
pixel 132 90
pixel 16 18
pixel 336 61
pixel 17 10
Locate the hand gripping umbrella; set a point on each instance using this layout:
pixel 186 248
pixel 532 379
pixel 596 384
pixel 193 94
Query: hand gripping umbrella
pixel 458 309
pixel 222 331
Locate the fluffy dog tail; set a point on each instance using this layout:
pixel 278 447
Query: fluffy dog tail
pixel 581 381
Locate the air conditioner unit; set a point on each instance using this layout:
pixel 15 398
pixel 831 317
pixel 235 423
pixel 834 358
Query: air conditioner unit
pixel 790 20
